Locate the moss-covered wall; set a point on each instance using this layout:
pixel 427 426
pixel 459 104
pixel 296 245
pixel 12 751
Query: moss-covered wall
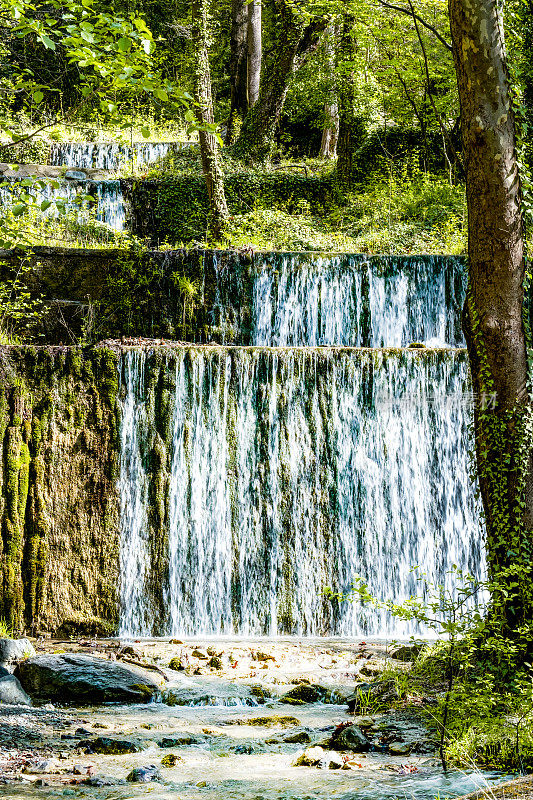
pixel 90 295
pixel 58 506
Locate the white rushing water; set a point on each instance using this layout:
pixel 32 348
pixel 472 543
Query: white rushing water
pixel 370 301
pixel 110 155
pixel 108 202
pixel 289 471
pixel 133 496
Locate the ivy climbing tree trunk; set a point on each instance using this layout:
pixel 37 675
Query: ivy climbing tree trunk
pixel 208 143
pixel 349 124
pixel 494 310
pixel 254 50
pixel 526 19
pixel 330 132
pixel 295 37
pixel 238 66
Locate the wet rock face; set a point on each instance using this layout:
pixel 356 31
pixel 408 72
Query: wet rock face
pixel 83 680
pixel 109 747
pixel 11 692
pixel 350 738
pixel 144 774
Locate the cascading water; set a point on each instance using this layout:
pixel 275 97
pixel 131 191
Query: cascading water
pixel 369 301
pixel 109 155
pixel 290 470
pixel 108 200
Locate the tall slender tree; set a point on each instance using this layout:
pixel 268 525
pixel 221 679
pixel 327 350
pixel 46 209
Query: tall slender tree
pixel 208 142
pixel 238 66
pixel 494 318
pixel 254 50
pixel 349 124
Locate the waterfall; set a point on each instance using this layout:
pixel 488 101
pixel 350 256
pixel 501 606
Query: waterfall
pixel 109 155
pixel 133 495
pixel 369 301
pixel 108 206
pixel 289 470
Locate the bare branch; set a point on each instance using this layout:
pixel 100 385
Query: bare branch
pixel 423 22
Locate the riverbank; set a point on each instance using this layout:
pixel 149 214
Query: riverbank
pixel 234 718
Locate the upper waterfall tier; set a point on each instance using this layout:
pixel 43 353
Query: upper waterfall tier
pixel 110 155
pixel 252 478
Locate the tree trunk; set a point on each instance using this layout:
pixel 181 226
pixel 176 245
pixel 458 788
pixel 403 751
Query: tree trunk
pixel 255 51
pixel 526 15
pixel 494 313
pixel 238 65
pixel 294 41
pixel 330 134
pixel 208 143
pixel 349 123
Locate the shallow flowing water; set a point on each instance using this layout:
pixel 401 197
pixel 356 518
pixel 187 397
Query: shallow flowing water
pixel 228 757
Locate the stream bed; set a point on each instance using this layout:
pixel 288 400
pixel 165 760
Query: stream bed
pixel 231 731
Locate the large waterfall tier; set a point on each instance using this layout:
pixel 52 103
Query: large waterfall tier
pixel 251 479
pixel 110 155
pixel 377 301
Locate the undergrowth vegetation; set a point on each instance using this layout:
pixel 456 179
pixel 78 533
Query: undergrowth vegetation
pixel 488 720
pixel 426 215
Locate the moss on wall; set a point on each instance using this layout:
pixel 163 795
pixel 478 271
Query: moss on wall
pixel 58 505
pixel 175 208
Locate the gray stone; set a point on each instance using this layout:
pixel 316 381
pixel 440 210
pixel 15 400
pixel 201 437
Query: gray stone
pixel 109 747
pixel 102 780
pixel 76 175
pixel 310 757
pixel 12 693
pixel 14 650
pixel 178 741
pixel 305 693
pixel 350 738
pixel 144 774
pixel 84 680
pixel 300 737
pixel 407 652
pixel 399 749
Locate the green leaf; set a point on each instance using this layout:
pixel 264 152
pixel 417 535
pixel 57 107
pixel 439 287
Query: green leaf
pixel 145 131
pixel 124 44
pixel 48 43
pixel 45 205
pixel 38 96
pixel 161 94
pixel 18 209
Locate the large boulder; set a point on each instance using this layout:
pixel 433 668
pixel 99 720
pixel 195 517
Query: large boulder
pixel 12 693
pixel 14 650
pixel 81 679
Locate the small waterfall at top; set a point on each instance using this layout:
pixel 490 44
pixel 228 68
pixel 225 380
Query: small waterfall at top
pixel 360 301
pixel 288 470
pixel 109 155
